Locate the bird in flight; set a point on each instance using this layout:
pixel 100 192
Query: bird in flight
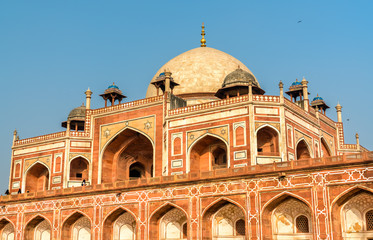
pixel 299 21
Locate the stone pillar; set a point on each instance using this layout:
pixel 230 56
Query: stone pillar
pixel 14 136
pixel 167 80
pixel 339 112
pixel 305 94
pixel 68 128
pixel 357 142
pixel 250 90
pixel 88 94
pixel 281 86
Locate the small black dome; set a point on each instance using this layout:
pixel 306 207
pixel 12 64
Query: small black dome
pixel 239 77
pixel 77 114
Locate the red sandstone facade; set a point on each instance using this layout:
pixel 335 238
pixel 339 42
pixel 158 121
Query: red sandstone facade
pixel 244 167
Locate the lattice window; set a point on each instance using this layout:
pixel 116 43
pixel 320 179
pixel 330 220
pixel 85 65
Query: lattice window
pixel 240 227
pixel 302 224
pixel 369 220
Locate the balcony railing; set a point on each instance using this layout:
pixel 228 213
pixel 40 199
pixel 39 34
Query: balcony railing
pixel 163 181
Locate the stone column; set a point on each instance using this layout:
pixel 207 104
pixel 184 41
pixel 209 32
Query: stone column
pixel 88 94
pixel 305 94
pixel 357 142
pixel 339 112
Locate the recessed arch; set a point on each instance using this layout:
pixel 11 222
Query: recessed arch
pixel 76 224
pixel 122 150
pixel 38 228
pixel 302 149
pixel 37 177
pixel 326 151
pixel 203 158
pixel 218 222
pixel 168 217
pixel 276 211
pixel 348 216
pixel 116 219
pixel 79 168
pixel 7 229
pixel 267 140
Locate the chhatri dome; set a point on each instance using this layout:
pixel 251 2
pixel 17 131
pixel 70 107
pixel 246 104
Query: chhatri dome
pixel 200 72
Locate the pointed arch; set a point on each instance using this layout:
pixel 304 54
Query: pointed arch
pixel 269 220
pixel 338 204
pixel 7 229
pixel 158 228
pixel 325 148
pixel 303 149
pixel 69 225
pixel 36 177
pixel 31 229
pixel 110 220
pixel 79 168
pixel 193 157
pixel 128 146
pixel 217 223
pixel 267 140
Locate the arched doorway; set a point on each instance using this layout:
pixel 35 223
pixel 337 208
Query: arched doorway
pixel 208 153
pixel 6 230
pixel 286 218
pixel 302 150
pixel 267 142
pixel 79 170
pixel 224 220
pixel 38 229
pixel 325 148
pixel 168 223
pixel 352 215
pixel 37 178
pixel 127 148
pixel 76 227
pixel 120 225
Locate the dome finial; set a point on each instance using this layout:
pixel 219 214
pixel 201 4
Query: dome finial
pixel 203 40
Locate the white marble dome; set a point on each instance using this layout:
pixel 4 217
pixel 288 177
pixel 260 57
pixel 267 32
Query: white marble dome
pixel 200 71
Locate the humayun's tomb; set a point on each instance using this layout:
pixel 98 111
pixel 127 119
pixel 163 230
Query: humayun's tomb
pixel 206 155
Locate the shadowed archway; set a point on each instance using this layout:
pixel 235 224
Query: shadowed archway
pixel 37 178
pixel 208 153
pixel 127 148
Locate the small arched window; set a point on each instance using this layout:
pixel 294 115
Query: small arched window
pixel 369 220
pixel 240 227
pixel 136 170
pixel 302 225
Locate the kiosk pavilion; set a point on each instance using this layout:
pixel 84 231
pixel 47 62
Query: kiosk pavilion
pixel 206 155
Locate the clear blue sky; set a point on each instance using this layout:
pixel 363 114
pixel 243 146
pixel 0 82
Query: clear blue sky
pixel 52 51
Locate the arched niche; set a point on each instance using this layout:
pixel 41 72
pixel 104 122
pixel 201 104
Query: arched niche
pixel 208 153
pixel 76 227
pixel 7 230
pixel 125 149
pixel 302 150
pixel 120 225
pixel 267 141
pixel 168 223
pixel 37 178
pixel 287 217
pixel 38 229
pixel 352 215
pixel 79 169
pixel 224 220
pixel 325 148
